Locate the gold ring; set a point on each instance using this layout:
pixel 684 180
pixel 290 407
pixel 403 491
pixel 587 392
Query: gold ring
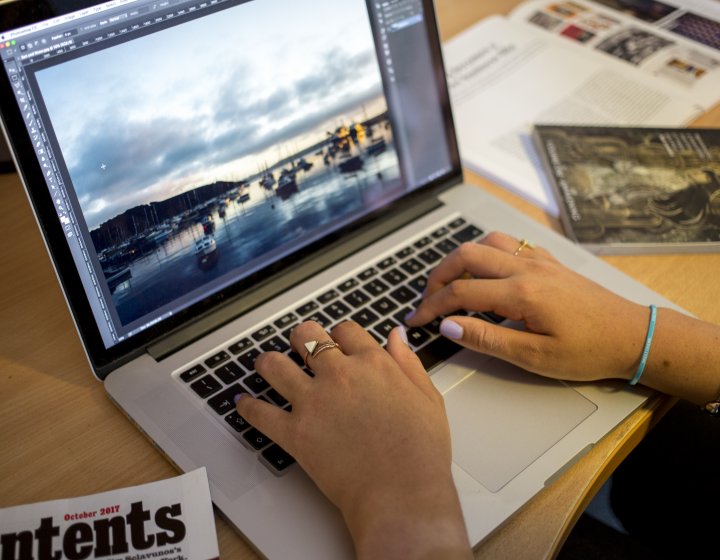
pixel 314 348
pixel 523 243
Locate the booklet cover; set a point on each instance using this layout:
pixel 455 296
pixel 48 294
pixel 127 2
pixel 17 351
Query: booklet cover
pixel 633 189
pixel 168 520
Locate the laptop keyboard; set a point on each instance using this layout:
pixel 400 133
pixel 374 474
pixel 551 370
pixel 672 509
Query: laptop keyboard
pixel 378 298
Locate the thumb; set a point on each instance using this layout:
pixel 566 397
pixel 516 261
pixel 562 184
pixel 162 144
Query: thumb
pixel 408 361
pixel 517 347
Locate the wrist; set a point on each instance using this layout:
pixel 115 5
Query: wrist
pixel 409 521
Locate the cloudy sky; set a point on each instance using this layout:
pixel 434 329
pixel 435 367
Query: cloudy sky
pixel 205 100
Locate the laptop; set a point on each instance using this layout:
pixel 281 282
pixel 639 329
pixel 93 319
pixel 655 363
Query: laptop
pixel 208 173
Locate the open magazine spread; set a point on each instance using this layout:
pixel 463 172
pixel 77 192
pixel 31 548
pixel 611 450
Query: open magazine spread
pixel 168 520
pixel 582 62
pixel 635 190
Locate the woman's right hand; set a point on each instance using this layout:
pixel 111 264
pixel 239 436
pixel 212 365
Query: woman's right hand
pixel 573 327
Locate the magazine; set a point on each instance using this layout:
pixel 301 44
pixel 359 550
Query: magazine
pixel 602 62
pixel 633 190
pixel 167 520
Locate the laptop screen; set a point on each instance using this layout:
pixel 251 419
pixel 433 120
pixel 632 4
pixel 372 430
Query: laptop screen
pixel 189 146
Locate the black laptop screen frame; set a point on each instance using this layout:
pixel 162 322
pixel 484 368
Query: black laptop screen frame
pixel 103 360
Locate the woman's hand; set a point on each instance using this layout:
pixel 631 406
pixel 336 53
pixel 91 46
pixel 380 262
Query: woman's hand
pixel 574 328
pixel 370 429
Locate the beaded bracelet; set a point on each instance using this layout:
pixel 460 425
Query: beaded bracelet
pixel 646 348
pixel 713 407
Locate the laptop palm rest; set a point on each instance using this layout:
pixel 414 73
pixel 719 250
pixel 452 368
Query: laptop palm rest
pixel 503 418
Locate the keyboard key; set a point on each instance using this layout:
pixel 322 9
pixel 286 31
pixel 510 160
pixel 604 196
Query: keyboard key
pixel 286 320
pixel 318 317
pixel 457 223
pixel 384 306
pixel 367 274
pixel 229 372
pixel 467 234
pixel 263 333
pixel 348 285
pixel 417 337
pixel 412 266
pixel 430 256
pixel 357 298
pixel 276 398
pixel 297 358
pixel 240 346
pixel 328 296
pixel 384 327
pixel 399 316
pixel 492 317
pixel 256 383
pixel 418 284
pixel 277 457
pixel 248 359
pixel 224 402
pixel 309 307
pixel 403 294
pixel 365 318
pixel 256 438
pixel 206 386
pixel 275 344
pixel 376 287
pixel 420 243
pixel 386 263
pixel 443 231
pixel 394 277
pixel 406 252
pixel 446 246
pixel 238 423
pixel 217 359
pixel 337 310
pixel 437 351
pixel 192 373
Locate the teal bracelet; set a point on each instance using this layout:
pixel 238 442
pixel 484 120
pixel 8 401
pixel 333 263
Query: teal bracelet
pixel 646 348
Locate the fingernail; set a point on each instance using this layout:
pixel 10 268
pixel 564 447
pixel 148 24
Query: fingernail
pixel 237 397
pixel 451 329
pixel 409 316
pixel 402 331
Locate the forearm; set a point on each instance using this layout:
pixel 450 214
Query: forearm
pixel 684 358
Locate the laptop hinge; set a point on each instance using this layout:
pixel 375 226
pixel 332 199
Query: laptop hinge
pixel 290 277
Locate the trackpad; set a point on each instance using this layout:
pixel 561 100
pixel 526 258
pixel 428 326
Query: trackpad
pixel 503 418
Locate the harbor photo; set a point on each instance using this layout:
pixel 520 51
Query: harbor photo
pixel 203 180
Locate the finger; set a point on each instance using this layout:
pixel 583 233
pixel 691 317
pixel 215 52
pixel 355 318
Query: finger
pixel 398 348
pixel 271 420
pixel 475 259
pixel 529 351
pixel 282 373
pixel 353 338
pixel 473 295
pixel 308 333
pixel 512 245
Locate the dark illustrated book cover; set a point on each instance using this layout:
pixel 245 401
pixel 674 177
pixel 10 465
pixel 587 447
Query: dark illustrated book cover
pixel 634 189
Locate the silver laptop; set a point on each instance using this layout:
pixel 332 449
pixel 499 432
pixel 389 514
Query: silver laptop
pixel 209 173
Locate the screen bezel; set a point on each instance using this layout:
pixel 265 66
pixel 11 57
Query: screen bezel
pixel 103 360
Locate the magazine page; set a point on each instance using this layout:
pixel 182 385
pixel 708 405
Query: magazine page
pixel 636 190
pixel 171 519
pixel 505 76
pixel 676 45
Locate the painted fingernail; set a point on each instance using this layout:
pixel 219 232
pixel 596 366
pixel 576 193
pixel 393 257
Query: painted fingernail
pixel 451 329
pixel 237 397
pixel 402 331
pixel 410 315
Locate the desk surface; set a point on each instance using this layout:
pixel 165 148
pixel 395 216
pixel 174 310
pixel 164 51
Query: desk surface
pixel 62 437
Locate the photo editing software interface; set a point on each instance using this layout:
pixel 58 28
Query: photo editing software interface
pixel 188 145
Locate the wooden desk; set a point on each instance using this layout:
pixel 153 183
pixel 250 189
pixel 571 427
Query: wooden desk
pixel 62 437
